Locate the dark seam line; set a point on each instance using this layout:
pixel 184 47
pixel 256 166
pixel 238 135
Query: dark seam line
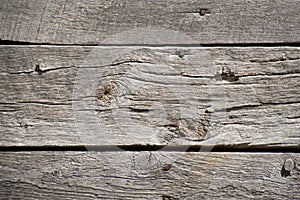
pixel 134 148
pixel 276 44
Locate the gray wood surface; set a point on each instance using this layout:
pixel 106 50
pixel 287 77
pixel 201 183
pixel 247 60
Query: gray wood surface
pixel 149 95
pixel 91 22
pixel 149 85
pixel 146 175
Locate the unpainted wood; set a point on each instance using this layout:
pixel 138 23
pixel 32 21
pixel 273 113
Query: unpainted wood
pixel 145 175
pixel 147 95
pixel 148 22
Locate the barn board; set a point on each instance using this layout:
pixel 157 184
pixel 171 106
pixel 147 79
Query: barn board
pixel 149 95
pixel 147 175
pixel 92 22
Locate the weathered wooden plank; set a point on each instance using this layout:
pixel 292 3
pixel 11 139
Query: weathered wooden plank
pixel 147 95
pixel 90 22
pixel 147 175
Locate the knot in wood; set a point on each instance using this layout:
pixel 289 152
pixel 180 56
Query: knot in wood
pixel 227 75
pixel 104 93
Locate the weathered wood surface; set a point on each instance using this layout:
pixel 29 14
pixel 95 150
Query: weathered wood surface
pixel 90 22
pixel 149 96
pixel 146 175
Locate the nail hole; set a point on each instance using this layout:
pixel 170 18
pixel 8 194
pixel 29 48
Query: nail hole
pixel 180 54
pixel 285 173
pixel 167 167
pixel 55 173
pixel 166 198
pixel 209 110
pixel 25 125
pixel 38 69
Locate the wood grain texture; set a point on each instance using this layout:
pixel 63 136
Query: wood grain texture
pixel 91 22
pixel 144 175
pixel 149 95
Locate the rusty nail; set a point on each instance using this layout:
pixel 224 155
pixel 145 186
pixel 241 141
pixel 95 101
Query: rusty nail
pixel 202 11
pixel 289 165
pixel 167 167
pixel 180 54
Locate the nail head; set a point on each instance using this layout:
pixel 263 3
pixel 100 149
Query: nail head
pixel 167 167
pixel 202 12
pixel 289 165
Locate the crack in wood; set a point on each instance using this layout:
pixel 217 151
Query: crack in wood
pixel 44 103
pixel 280 59
pixel 139 110
pixel 40 71
pixel 294 72
pixel 260 104
pixel 128 62
pixel 294 117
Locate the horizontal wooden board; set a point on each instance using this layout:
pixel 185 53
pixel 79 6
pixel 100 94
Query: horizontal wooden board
pixel 150 22
pixel 149 96
pixel 147 175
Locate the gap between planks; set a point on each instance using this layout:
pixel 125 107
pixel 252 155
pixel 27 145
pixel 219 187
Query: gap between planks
pixel 211 45
pixel 160 148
